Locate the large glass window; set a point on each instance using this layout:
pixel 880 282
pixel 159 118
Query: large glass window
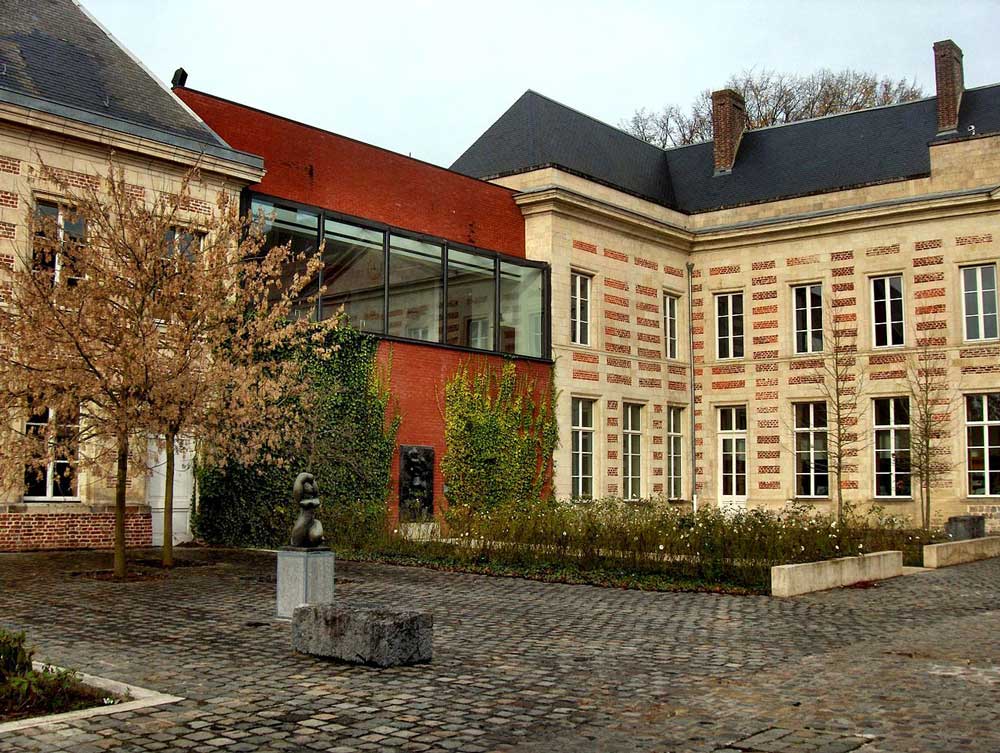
pixel 674 489
pixel 808 301
pixel 729 325
pixel 54 475
pixel 521 301
pixel 471 298
pixel 892 447
pixel 670 325
pixel 415 288
pixel 887 310
pixel 732 454
pixel 812 472
pixel 982 429
pixel 979 297
pixel 353 274
pixel 299 228
pixel 583 447
pixel 631 451
pixel 579 309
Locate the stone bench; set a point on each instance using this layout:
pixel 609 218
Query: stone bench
pixel 363 634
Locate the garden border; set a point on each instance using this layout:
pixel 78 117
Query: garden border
pixel 960 552
pixel 141 698
pixel 807 577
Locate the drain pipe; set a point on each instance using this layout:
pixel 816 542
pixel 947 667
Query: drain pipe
pixel 694 463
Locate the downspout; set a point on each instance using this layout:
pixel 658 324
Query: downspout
pixel 694 463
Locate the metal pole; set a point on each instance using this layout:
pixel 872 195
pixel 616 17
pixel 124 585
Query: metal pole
pixel 694 464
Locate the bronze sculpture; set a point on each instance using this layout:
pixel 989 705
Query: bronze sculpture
pixel 308 531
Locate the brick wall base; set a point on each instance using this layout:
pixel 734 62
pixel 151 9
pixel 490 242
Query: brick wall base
pixel 27 531
pixel 992 514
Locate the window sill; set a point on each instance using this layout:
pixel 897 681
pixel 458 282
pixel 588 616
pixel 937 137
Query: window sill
pixel 892 499
pixel 981 341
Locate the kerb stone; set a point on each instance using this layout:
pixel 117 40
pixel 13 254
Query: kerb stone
pixel 364 634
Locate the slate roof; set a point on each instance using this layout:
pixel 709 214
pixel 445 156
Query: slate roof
pixel 55 57
pixel 811 156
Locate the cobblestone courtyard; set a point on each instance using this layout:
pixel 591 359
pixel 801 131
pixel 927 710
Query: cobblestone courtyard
pixel 912 665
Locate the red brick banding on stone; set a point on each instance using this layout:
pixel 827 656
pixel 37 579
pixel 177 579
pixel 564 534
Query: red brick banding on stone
pixel 590 248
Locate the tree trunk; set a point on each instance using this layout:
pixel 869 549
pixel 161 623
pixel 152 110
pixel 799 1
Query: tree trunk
pixel 168 506
pixel 121 479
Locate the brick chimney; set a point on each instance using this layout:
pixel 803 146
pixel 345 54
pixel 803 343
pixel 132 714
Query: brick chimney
pixel 950 84
pixel 728 122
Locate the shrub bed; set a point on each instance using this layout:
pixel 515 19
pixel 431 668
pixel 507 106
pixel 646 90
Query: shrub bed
pixel 26 692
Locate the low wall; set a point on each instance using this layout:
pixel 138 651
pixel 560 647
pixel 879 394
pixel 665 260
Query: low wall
pixel 957 552
pixel 806 577
pixel 27 531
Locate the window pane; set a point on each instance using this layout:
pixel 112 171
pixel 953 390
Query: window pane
pixel 354 275
pixel 993 406
pixel 882 410
pixel 521 300
pixel 471 296
pixel 414 289
pixel 299 228
pixel 741 418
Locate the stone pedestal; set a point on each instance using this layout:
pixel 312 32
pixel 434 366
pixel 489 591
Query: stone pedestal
pixel 364 634
pixel 305 576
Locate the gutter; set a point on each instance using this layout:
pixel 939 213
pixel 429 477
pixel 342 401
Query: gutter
pixel 691 386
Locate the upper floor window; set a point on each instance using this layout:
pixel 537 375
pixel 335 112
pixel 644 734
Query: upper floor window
pixel 887 310
pixel 892 447
pixel 58 232
pixel 979 299
pixel 729 325
pixel 982 428
pixel 670 325
pixel 808 301
pixel 579 309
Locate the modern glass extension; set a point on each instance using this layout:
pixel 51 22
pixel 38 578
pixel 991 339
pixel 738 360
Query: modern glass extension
pixel 405 285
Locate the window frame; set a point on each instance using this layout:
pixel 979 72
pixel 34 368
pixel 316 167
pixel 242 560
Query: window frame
pixel 893 428
pixel 579 327
pixel 985 424
pixel 577 434
pixel 811 328
pixel 811 431
pixel 675 459
pixel 735 433
pixel 888 303
pixel 731 339
pixel 49 497
pixel 981 318
pixel 60 216
pixel 671 305
pixel 631 448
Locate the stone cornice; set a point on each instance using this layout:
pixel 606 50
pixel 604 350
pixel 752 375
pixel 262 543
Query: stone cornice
pixel 60 127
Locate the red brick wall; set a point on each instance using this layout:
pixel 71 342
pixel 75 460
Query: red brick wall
pixel 25 531
pixel 418 375
pixel 330 171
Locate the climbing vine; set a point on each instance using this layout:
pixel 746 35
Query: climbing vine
pixel 500 435
pixel 346 440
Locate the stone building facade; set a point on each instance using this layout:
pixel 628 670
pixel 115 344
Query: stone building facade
pixel 880 226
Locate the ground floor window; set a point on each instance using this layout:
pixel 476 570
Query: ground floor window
pixel 583 447
pixel 632 451
pixel 733 453
pixel 812 475
pixel 982 431
pixel 53 476
pixel 892 447
pixel 674 479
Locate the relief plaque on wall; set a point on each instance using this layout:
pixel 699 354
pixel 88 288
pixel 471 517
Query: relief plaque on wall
pixel 416 483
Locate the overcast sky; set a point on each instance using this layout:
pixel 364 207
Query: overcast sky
pixel 426 78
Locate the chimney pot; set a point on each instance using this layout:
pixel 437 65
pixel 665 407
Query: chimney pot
pixel 180 78
pixel 728 123
pixel 950 80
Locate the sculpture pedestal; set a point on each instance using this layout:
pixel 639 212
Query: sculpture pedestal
pixel 305 576
pixel 364 634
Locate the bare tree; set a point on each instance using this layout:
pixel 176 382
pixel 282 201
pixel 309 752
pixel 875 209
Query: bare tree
pixel 932 408
pixel 840 380
pixel 772 98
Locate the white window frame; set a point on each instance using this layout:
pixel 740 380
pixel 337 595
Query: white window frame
pixel 887 324
pixel 894 428
pixel 57 266
pixel 811 431
pixel 479 333
pixel 50 468
pixel 580 284
pixel 670 304
pixel 730 339
pixel 580 433
pixel 733 434
pixel 675 452
pixel 986 423
pixel 813 327
pixel 632 451
pixel 981 297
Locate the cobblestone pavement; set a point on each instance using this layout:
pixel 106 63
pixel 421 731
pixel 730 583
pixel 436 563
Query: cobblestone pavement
pixel 911 665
